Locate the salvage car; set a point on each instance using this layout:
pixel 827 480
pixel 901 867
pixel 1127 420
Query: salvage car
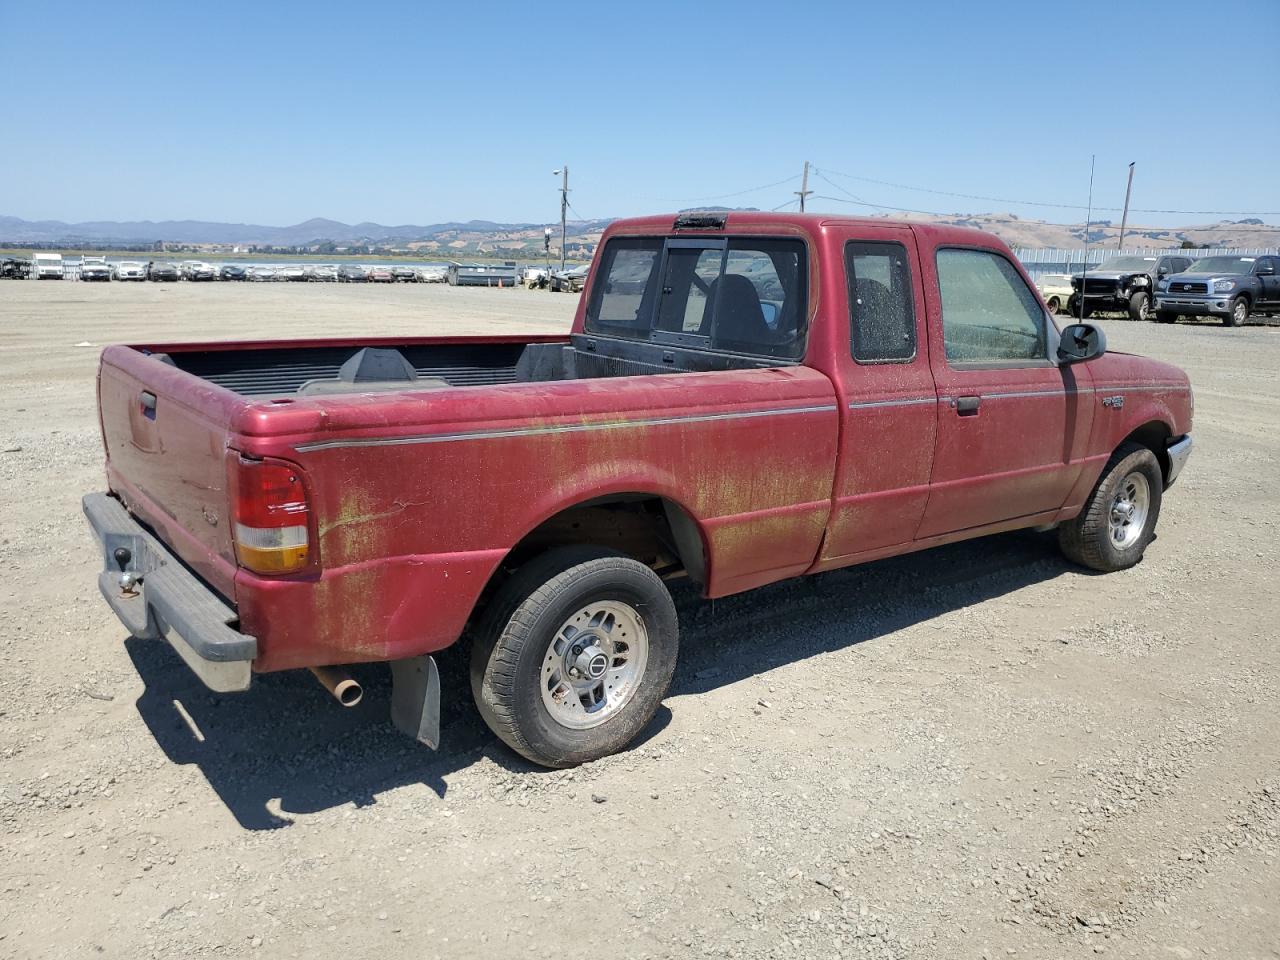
pixel 351 273
pixel 1123 284
pixel 197 270
pixel 128 270
pixel 95 269
pixel 1056 290
pixel 1224 287
pixel 569 281
pixel 404 274
pixel 381 275
pixel 15 268
pixel 162 272
pixel 232 271
pixel 787 394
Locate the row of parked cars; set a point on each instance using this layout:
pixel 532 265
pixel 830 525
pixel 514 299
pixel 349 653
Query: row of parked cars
pixel 570 280
pixel 46 267
pixel 1166 287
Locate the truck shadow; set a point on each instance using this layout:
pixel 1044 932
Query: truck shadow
pixel 285 748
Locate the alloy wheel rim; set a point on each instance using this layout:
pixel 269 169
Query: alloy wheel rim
pixel 1130 506
pixel 594 664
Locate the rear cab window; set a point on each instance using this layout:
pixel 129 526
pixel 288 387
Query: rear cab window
pixel 735 294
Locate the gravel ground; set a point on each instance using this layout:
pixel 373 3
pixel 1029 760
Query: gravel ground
pixel 975 752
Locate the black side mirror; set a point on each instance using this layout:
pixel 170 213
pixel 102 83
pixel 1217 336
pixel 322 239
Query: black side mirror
pixel 1081 342
pixel 1265 271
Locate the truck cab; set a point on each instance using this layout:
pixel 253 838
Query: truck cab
pixel 1227 287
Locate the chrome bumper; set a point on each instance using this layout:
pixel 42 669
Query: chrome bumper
pixel 1178 452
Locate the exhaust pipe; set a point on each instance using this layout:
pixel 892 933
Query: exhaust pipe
pixel 344 687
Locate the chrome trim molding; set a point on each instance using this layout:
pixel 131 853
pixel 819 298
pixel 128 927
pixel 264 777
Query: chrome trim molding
pixel 871 404
pixel 1178 454
pixel 566 428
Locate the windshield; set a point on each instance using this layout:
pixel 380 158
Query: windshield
pixel 1222 265
pixel 1121 264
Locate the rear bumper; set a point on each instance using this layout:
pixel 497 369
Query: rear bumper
pixel 168 600
pixel 1179 452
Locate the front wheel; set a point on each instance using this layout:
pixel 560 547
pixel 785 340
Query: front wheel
pixel 1140 306
pixel 1239 312
pixel 575 655
pixel 1076 310
pixel 1119 518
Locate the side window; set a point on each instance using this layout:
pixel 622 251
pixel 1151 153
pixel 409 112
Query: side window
pixel 761 298
pixel 988 313
pixel 627 282
pixel 882 321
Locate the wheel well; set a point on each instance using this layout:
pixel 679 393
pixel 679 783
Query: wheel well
pixel 1155 437
pixel 654 530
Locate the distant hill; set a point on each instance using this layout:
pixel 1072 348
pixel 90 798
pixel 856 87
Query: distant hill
pixel 488 237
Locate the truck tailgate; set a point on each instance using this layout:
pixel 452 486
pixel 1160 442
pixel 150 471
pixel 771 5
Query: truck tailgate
pixel 166 435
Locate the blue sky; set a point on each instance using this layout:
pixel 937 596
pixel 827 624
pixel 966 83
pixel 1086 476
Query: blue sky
pixel 417 113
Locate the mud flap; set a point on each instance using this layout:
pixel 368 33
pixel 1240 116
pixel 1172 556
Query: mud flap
pixel 415 699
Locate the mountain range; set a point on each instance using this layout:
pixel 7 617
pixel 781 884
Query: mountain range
pixel 478 236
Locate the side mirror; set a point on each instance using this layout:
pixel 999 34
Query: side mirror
pixel 1266 271
pixel 1081 342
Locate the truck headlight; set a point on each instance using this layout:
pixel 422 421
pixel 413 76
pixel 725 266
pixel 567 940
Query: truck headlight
pixel 1162 285
pixel 1139 281
pixel 1223 286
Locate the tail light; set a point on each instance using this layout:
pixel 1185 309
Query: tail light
pixel 271 516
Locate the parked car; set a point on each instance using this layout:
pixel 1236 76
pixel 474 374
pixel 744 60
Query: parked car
pixel 94 269
pixel 743 438
pixel 128 270
pixel 232 271
pixel 295 273
pixel 351 273
pixel 381 275
pixel 260 273
pixel 197 270
pixel 162 272
pixel 535 277
pixel 15 268
pixel 569 281
pixel 1226 287
pixel 324 273
pixel 404 274
pixel 46 266
pixel 1056 290
pixel 433 275
pixel 1122 284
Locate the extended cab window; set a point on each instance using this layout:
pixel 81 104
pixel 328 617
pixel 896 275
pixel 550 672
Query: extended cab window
pixel 989 315
pixel 882 321
pixel 737 294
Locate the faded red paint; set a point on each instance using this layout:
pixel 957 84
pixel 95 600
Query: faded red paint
pixel 405 537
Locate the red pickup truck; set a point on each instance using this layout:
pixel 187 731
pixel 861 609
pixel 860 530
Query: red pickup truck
pixel 743 397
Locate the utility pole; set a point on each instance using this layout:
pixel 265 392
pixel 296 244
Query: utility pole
pixel 804 190
pixel 564 208
pixel 1124 218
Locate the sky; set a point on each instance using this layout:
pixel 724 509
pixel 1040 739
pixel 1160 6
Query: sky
pixel 274 113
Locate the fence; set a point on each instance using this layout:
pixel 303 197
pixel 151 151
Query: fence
pixel 1041 260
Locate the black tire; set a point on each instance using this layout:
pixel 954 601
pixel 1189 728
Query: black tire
pixel 1074 309
pixel 1088 540
pixel 1239 312
pixel 1164 316
pixel 514 641
pixel 1054 304
pixel 1140 306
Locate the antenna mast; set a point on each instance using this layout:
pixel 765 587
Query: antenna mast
pixel 1088 224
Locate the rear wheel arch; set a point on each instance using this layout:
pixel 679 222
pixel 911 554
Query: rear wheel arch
pixel 647 527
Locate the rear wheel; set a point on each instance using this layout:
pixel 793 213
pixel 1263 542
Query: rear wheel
pixel 1140 306
pixel 1239 312
pixel 1054 304
pixel 574 655
pixel 1119 518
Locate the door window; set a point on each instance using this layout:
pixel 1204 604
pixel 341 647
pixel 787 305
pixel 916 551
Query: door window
pixel 882 322
pixel 989 315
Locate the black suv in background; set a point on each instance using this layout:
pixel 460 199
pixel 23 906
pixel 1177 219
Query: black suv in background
pixel 162 272
pixel 1226 287
pixel 1122 284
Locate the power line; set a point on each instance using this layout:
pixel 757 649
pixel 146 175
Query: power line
pixel 987 218
pixel 736 193
pixel 1046 203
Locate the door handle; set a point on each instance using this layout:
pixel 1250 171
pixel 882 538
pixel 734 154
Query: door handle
pixel 968 406
pixel 147 401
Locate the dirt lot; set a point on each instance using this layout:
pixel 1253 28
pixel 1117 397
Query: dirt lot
pixel 976 752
